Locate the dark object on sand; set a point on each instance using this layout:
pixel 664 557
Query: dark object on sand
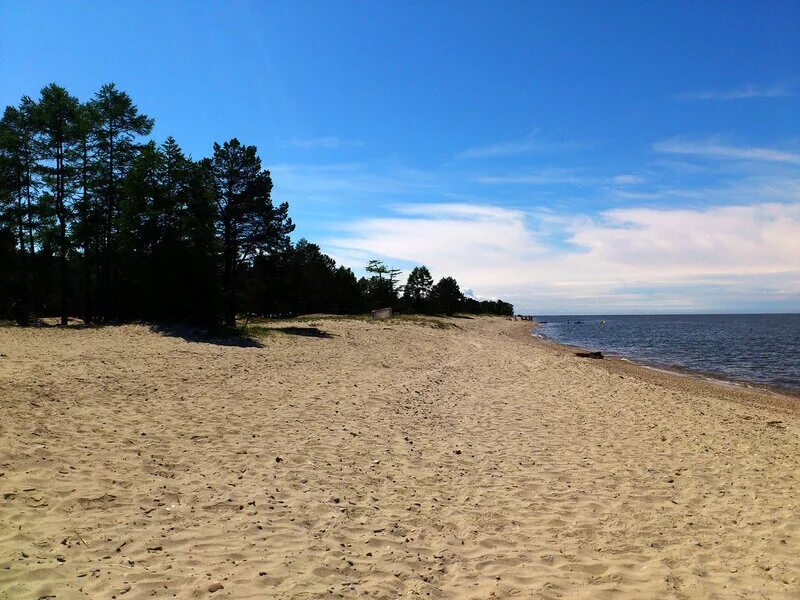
pixel 589 354
pixel 305 331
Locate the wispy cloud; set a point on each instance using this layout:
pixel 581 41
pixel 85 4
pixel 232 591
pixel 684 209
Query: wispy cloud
pixel 570 177
pixel 347 181
pixel 714 148
pixel 742 93
pixel 460 211
pixel 542 177
pixel 628 179
pixel 324 143
pixel 529 144
pixel 783 187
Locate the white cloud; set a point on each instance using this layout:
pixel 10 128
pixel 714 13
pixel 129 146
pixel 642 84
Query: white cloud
pixel 541 177
pixel 653 259
pixel 743 93
pixel 446 237
pixel 782 187
pixel 559 176
pixel 334 182
pixel 728 239
pixel 713 148
pixel 628 179
pixel 325 143
pixel 531 143
pixel 464 211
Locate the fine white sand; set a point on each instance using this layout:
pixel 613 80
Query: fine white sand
pixel 391 459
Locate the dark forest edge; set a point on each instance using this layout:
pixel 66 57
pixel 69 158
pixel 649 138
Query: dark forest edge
pixel 99 223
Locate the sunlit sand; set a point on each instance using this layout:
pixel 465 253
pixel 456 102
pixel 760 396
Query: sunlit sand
pixel 436 458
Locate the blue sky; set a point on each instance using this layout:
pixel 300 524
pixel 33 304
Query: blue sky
pixel 570 156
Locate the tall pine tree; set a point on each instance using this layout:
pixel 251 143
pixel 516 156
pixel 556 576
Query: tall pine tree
pixel 57 118
pixel 116 125
pixel 248 223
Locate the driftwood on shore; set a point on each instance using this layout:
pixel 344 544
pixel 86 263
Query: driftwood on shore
pixel 589 354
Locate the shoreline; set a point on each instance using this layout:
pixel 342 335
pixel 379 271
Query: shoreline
pixel 785 399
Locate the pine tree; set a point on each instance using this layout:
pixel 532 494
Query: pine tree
pixel 141 231
pixel 88 213
pixel 57 118
pixel 381 290
pixel 446 296
pixel 116 124
pixel 248 223
pixel 19 150
pixel 418 289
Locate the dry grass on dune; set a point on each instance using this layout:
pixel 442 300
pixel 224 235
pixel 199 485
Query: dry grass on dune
pixel 349 458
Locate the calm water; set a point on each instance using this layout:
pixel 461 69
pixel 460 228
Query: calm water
pixel 756 348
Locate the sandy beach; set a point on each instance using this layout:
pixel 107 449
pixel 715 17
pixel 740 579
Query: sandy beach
pixel 453 458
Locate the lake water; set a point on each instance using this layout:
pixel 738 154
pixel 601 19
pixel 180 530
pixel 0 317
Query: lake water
pixel 756 348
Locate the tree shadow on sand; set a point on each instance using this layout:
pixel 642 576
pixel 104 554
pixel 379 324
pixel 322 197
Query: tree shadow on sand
pixel 220 336
pixel 305 331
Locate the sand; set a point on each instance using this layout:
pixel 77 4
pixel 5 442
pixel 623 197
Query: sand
pixel 391 459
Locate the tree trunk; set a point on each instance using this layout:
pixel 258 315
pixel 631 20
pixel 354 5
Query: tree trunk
pixel 63 269
pixel 20 226
pixel 87 287
pixel 229 276
pixel 21 304
pixel 28 204
pixel 87 279
pixel 227 284
pixel 62 231
pixel 32 266
pixel 106 300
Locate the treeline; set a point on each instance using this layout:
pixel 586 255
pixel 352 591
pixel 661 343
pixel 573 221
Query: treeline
pixel 97 222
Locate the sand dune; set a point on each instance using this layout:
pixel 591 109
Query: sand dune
pixel 391 459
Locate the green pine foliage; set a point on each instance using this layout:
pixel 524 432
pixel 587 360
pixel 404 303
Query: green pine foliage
pixel 99 223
